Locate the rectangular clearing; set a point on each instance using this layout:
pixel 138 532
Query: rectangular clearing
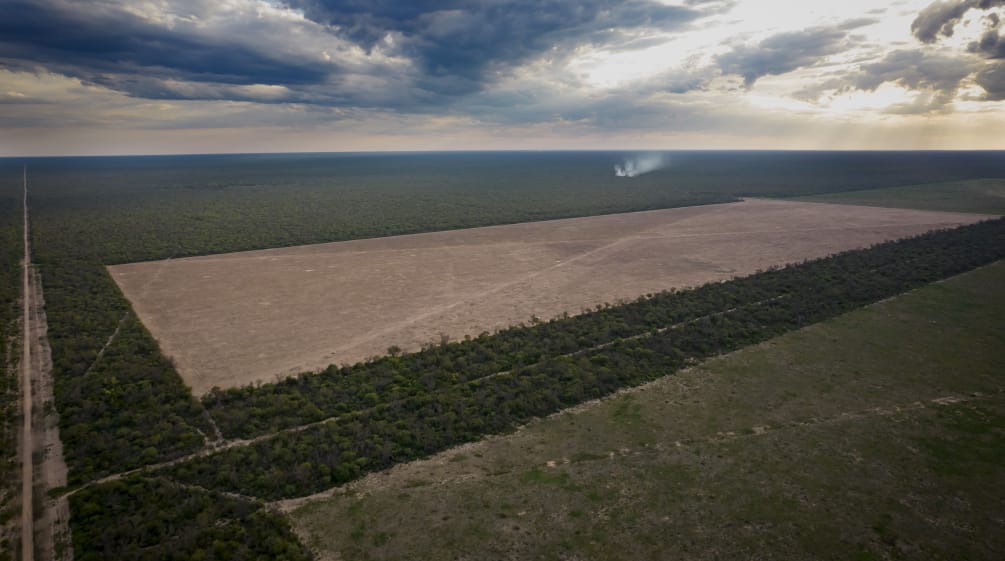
pixel 233 319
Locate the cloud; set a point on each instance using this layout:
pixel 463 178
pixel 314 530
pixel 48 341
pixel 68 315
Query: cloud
pixel 917 70
pixel 934 76
pixel 941 17
pixel 990 45
pixel 992 79
pixel 459 45
pixel 784 52
pixel 104 44
pixel 414 55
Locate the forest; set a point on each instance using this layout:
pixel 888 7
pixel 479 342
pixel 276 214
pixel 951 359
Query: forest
pixel 10 348
pixel 123 406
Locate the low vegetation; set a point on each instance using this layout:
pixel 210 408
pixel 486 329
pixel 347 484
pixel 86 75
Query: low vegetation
pixel 985 196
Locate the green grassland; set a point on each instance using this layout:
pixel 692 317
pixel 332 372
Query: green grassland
pixel 876 435
pixel 986 196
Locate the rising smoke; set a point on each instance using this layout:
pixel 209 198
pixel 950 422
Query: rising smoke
pixel 633 167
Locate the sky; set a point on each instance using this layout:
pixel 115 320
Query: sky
pixel 212 76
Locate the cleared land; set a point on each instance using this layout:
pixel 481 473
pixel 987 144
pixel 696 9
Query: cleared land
pixel 975 195
pixel 232 319
pixel 877 435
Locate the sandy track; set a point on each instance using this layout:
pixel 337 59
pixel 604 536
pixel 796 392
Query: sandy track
pixel 237 318
pixel 27 446
pixel 45 530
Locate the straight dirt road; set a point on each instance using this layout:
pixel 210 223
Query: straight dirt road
pixel 27 469
pixel 45 531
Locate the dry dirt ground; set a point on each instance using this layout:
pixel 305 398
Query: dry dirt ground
pixel 233 319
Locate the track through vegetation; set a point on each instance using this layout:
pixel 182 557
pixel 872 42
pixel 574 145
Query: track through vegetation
pixel 27 448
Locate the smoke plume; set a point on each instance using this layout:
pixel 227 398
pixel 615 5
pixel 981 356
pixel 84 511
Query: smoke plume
pixel 633 167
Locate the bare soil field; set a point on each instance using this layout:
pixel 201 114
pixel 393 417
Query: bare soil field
pixel 233 319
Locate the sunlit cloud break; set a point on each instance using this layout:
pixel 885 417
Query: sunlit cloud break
pixel 638 165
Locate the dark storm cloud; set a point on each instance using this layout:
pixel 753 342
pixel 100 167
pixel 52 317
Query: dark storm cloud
pixel 782 53
pixel 445 49
pixel 990 45
pixel 992 79
pixel 457 44
pixel 100 44
pixel 940 18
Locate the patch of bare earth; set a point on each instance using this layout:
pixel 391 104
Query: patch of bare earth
pixel 233 319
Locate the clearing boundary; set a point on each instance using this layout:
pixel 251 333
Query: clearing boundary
pixel 234 319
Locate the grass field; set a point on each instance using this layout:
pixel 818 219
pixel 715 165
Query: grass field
pixel 877 435
pixel 975 195
pixel 234 319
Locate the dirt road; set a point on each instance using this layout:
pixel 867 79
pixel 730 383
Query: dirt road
pixel 42 464
pixel 27 515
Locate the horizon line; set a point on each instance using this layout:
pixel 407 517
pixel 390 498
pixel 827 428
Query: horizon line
pixel 503 151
